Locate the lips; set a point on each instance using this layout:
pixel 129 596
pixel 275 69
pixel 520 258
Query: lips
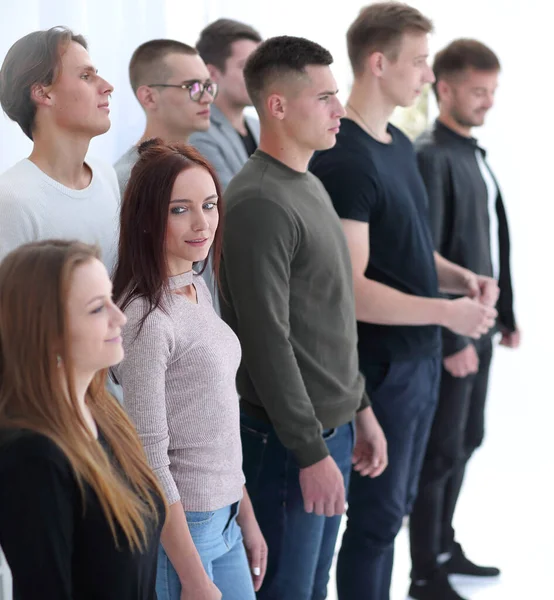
pixel 116 339
pixel 197 243
pixel 204 113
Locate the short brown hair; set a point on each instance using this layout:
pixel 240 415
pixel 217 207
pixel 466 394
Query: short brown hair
pixel 35 58
pixel 463 54
pixel 215 41
pixel 280 57
pixel 147 62
pixel 379 28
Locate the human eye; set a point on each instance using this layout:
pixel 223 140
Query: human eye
pixel 178 210
pixel 85 76
pixel 97 310
pixel 324 98
pixel 209 205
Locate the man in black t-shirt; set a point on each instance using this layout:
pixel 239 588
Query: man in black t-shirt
pixel 373 179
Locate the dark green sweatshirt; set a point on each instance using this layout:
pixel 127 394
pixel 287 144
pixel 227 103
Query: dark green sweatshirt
pixel 286 290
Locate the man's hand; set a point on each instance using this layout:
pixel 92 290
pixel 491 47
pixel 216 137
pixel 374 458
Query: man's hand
pixel 511 339
pixel 370 453
pixel 468 317
pixel 463 363
pixel 322 487
pixel 488 290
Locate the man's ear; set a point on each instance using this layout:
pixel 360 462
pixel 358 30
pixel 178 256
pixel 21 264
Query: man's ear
pixel 40 94
pixel 147 96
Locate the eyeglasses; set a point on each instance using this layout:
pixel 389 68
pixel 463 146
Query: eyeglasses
pixel 196 88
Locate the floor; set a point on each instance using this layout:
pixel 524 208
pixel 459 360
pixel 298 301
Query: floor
pixel 505 515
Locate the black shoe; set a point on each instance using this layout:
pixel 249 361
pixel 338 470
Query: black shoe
pixel 459 564
pixel 436 588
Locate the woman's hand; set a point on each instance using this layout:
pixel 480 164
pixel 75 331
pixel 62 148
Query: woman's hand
pixel 254 541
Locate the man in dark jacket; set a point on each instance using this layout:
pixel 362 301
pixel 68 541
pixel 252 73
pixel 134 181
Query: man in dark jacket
pixel 469 227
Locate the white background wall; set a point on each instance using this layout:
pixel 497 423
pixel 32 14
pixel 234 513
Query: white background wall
pixel 518 136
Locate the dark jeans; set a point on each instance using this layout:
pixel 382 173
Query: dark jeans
pixel 404 397
pixel 458 429
pixel 301 545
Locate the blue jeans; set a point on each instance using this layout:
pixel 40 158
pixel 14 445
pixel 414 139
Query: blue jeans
pixel 218 539
pixel 301 545
pixel 404 396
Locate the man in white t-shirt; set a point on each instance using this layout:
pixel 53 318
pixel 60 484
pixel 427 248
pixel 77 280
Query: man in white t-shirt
pixel 49 86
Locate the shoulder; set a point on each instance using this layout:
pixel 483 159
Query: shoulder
pixel 24 448
pixel 105 175
pixel 17 182
pixel 139 307
pixel 203 137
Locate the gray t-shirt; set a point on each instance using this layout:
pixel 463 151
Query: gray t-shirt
pixel 124 166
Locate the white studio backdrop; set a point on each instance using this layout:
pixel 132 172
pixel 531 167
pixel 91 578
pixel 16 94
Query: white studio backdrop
pixel 518 134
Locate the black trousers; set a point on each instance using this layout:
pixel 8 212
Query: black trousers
pixel 458 429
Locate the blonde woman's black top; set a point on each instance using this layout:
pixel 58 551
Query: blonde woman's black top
pixel 54 548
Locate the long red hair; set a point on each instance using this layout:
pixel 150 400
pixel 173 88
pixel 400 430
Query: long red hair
pixel 141 268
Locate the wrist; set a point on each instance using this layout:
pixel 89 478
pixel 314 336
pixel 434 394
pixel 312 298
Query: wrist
pixel 442 311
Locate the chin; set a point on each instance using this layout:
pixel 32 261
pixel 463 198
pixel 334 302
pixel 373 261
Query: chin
pixel 326 143
pixel 101 129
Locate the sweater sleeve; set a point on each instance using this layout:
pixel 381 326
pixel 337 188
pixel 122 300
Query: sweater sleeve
pixel 259 246
pixel 142 376
pixel 37 509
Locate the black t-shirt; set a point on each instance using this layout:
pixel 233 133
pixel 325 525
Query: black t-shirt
pixel 380 184
pixel 52 548
pixel 249 141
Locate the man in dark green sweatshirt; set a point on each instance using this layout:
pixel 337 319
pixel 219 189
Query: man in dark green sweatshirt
pixel 286 290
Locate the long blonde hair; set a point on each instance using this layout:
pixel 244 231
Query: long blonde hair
pixel 34 284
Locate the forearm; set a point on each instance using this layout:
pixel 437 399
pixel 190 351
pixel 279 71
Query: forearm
pixel 380 304
pixel 246 512
pixel 179 546
pixel 453 279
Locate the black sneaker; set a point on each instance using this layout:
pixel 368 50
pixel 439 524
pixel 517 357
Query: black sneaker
pixel 459 564
pixel 436 588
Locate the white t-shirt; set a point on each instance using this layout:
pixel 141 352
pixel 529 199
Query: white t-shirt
pixel 33 207
pixel 492 192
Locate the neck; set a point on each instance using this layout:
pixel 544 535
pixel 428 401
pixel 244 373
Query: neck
pixel 285 149
pixel 61 155
pixel 178 266
pixel 232 112
pixel 370 109
pixel 82 383
pixel 447 119
pixel 157 129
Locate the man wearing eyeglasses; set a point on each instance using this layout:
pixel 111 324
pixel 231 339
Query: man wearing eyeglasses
pixel 174 88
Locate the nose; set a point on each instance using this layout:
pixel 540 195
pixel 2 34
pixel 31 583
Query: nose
pixel 339 109
pixel 430 76
pixel 118 317
pixel 199 221
pixel 106 87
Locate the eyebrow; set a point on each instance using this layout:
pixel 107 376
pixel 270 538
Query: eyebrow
pixel 328 93
pixel 95 299
pixel 88 68
pixel 185 201
pixel 208 80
